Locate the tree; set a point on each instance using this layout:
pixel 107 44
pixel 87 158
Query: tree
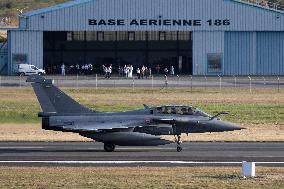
pixel 2 39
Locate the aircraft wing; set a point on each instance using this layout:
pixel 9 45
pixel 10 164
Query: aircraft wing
pixel 96 127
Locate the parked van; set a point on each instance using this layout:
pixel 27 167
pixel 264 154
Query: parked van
pixel 28 69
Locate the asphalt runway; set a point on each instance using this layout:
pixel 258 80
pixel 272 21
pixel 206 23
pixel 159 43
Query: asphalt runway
pixel 91 153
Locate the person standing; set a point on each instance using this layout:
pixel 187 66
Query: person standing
pixel 146 72
pixel 138 73
pixel 143 71
pixel 119 71
pixel 104 70
pixel 172 71
pixel 125 70
pixel 63 69
pixel 110 70
pixel 131 71
pixel 166 71
pixel 91 68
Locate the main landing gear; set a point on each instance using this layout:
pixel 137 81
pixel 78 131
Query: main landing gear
pixel 179 142
pixel 109 147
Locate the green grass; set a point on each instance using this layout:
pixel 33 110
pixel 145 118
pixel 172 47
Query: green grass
pixel 25 110
pixel 254 113
pixel 242 113
pixel 249 113
pixel 15 112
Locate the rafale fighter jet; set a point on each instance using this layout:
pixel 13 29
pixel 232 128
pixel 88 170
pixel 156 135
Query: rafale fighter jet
pixel 142 127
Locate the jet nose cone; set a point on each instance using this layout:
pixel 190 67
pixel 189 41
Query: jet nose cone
pixel 231 127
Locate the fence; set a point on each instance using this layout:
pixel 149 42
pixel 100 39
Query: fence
pixel 162 82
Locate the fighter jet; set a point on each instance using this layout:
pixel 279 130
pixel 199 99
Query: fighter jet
pixel 143 127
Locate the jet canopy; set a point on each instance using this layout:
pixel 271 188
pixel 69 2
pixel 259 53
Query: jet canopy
pixel 181 110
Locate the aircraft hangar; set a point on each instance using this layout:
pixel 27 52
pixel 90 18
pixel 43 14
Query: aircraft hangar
pixel 197 37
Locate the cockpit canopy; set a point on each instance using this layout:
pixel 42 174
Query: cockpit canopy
pixel 181 110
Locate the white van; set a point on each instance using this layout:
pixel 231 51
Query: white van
pixel 28 69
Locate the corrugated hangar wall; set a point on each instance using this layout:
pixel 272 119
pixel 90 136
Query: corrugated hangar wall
pixel 251 45
pixel 254 53
pixel 204 43
pixel 25 42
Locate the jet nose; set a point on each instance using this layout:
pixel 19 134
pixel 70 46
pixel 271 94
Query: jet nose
pixel 226 126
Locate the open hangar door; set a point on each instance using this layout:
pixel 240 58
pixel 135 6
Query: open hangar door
pixel 156 50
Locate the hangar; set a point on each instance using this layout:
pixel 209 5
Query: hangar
pixel 198 37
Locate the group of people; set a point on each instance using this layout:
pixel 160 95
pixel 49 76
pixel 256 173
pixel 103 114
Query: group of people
pixel 166 70
pixel 143 72
pixel 127 71
pixel 107 70
pixel 86 69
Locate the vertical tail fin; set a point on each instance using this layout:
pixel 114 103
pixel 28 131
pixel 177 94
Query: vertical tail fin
pixel 52 99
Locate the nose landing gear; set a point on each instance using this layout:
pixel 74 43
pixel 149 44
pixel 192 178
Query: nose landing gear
pixel 179 142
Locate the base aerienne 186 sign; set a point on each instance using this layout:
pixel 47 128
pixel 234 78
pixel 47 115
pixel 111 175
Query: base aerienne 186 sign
pixel 158 22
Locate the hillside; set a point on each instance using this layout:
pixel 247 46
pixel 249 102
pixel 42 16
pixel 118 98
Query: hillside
pixel 9 12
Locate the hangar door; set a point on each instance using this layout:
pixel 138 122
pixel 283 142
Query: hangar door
pixel 156 50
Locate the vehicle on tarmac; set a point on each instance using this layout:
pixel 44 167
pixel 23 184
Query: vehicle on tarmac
pixel 28 69
pixel 142 127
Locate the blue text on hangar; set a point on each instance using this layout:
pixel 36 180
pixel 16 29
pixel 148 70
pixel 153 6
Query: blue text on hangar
pixel 228 37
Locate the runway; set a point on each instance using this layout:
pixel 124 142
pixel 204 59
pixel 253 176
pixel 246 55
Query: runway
pixel 92 154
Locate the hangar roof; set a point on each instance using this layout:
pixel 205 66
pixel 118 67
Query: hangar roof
pixel 80 2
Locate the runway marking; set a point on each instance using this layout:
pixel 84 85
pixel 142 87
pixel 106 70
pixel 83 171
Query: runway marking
pixel 3 148
pixel 137 162
pixel 142 148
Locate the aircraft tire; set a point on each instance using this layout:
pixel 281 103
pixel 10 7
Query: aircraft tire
pixel 109 147
pixel 179 149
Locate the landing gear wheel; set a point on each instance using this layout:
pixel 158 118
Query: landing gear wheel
pixel 109 147
pixel 179 142
pixel 179 149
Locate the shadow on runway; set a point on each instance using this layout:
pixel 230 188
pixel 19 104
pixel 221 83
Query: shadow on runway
pixel 121 150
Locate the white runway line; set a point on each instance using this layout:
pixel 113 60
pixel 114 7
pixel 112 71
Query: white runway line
pixel 136 162
pixel 142 148
pixel 4 148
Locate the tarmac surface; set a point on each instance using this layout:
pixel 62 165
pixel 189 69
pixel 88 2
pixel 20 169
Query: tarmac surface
pixel 92 154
